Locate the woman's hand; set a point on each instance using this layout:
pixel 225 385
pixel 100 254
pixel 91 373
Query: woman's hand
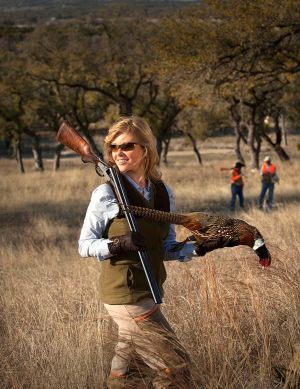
pixel 133 241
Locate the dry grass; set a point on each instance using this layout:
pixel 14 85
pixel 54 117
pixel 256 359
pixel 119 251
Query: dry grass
pixel 240 323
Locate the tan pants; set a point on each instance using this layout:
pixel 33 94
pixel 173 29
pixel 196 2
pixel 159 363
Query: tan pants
pixel 144 330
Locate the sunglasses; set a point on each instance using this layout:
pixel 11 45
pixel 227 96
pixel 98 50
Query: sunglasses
pixel 124 146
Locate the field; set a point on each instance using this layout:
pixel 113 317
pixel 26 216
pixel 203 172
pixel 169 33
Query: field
pixel 239 322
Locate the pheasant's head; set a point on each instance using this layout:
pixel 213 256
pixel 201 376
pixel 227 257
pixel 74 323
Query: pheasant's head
pixel 262 252
pixel 250 236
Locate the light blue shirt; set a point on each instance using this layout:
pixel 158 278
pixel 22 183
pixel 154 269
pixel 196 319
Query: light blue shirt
pixel 103 208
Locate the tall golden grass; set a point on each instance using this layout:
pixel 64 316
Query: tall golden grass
pixel 239 322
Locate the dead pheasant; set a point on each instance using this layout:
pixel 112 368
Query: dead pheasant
pixel 221 231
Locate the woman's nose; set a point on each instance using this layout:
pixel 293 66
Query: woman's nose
pixel 120 153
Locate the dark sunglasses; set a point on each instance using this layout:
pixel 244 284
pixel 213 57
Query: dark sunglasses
pixel 124 146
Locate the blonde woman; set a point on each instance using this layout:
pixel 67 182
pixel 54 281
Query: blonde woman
pixel 131 147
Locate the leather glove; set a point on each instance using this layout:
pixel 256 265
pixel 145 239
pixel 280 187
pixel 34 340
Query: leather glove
pixel 133 241
pixel 217 243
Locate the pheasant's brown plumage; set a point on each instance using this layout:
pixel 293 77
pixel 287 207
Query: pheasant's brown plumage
pixel 206 227
pixel 210 226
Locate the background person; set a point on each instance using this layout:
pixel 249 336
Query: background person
pixel 268 180
pixel 237 185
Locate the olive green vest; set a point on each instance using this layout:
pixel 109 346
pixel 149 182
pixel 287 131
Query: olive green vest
pixel 122 278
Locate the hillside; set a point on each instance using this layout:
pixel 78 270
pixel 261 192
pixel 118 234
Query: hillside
pixel 22 11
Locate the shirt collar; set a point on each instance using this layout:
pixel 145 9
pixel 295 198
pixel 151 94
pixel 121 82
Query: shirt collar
pixel 146 192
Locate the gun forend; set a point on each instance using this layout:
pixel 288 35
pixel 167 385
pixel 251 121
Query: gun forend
pixel 69 137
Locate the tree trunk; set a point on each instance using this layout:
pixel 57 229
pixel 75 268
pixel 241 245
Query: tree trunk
pixel 166 143
pixel 164 132
pixel 236 119
pixel 126 107
pixel 254 134
pixel 37 155
pixel 159 147
pixel 283 156
pixel 284 137
pixel 57 155
pixel 194 144
pixel 19 156
pixel 36 151
pixel 83 127
pixel 277 147
pixel 238 138
pixel 254 149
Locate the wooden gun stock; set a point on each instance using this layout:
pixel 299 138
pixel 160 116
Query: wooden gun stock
pixel 70 138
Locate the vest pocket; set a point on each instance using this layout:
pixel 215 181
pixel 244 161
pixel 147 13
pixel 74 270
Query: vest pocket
pixel 114 279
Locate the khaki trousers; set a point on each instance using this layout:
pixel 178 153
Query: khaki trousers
pixel 143 329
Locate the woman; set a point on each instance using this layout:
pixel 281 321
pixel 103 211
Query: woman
pixel 131 147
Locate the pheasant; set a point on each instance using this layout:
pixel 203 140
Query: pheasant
pixel 211 232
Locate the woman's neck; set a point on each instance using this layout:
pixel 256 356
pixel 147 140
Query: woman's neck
pixel 139 179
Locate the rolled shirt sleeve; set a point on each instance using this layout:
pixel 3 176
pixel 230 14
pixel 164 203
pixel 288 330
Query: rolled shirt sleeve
pixel 102 209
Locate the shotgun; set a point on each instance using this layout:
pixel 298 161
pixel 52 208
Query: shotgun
pixel 69 137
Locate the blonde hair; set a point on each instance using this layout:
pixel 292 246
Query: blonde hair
pixel 141 129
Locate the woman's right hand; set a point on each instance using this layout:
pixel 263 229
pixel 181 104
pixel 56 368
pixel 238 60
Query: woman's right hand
pixel 133 241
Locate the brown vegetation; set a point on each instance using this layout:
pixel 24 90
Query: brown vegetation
pixel 240 323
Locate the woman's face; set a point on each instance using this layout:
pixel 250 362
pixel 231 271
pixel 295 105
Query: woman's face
pixel 130 159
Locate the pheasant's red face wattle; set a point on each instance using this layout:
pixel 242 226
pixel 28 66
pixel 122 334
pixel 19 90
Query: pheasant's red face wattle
pixel 265 262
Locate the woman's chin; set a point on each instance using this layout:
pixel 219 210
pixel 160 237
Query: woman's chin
pixel 122 168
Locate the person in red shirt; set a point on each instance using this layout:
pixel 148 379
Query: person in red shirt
pixel 237 185
pixel 268 180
